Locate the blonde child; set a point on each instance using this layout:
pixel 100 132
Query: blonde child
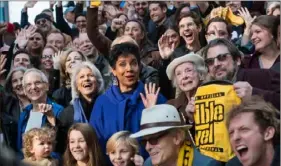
pixel 37 147
pixel 123 150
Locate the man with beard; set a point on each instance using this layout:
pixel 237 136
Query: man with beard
pixel 141 8
pixel 223 59
pixel 159 22
pixel 92 54
pixel 43 22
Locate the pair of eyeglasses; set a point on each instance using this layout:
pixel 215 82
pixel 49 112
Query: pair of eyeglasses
pixel 43 21
pixel 220 57
pixel 142 4
pixel 46 56
pixel 153 140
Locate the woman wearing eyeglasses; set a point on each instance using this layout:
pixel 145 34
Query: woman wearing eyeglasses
pixel 186 73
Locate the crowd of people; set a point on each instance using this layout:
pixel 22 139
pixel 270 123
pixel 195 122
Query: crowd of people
pixel 142 83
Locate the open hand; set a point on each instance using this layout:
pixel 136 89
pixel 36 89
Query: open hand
pixel 56 59
pixel 245 14
pixel 151 95
pixel 165 49
pixel 138 160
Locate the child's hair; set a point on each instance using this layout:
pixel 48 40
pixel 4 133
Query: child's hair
pixel 122 137
pixel 43 133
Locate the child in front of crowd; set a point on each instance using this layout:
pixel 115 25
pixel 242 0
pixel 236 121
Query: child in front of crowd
pixel 37 147
pixel 123 150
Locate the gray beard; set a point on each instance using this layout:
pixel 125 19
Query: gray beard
pixel 230 76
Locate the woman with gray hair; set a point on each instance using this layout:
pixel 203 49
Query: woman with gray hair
pixel 86 85
pixel 187 73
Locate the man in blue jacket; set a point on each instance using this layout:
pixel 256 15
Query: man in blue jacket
pixel 42 111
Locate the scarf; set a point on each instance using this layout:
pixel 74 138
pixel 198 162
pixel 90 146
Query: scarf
pixel 79 114
pixel 186 155
pixel 126 105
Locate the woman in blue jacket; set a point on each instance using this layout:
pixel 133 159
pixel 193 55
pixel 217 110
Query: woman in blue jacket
pixel 120 107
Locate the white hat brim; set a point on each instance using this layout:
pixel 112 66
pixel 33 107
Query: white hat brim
pixel 191 57
pixel 155 130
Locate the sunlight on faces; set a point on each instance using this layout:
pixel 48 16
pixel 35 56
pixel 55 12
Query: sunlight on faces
pixel 78 146
pixel 163 149
pixel 261 37
pixel 34 87
pixel 86 82
pixel 22 60
pixel 72 59
pixel 126 70
pixel 56 40
pixel 133 29
pixel 173 37
pixel 221 28
pixel 156 13
pixel 221 70
pixel 41 148
pixel 188 30
pixel 47 60
pixel 121 155
pixel 17 83
pixel 247 140
pixel 186 76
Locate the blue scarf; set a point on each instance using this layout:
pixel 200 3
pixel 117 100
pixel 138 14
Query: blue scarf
pixel 79 115
pixel 127 105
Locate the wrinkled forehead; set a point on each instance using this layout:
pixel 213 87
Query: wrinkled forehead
pixel 32 76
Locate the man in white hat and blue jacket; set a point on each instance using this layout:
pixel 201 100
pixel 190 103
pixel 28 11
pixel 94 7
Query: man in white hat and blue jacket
pixel 165 137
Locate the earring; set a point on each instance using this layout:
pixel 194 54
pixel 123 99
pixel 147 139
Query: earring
pixel 115 81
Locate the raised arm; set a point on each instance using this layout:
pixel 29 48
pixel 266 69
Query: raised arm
pixel 101 42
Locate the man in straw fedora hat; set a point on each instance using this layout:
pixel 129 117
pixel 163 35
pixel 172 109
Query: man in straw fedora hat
pixel 164 137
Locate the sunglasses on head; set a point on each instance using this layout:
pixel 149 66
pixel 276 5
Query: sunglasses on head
pixel 39 21
pixel 220 57
pixel 154 140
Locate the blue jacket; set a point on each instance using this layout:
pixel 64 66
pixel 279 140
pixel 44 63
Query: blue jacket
pixel 114 111
pixel 24 116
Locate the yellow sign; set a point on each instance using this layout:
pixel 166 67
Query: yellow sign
pixel 212 103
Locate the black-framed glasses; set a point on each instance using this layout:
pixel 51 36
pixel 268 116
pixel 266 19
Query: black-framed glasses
pixel 220 57
pixel 41 21
pixel 154 140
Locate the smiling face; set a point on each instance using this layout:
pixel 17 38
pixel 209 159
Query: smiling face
pixel 41 148
pixel 187 78
pixel 133 29
pixel 189 31
pixel 81 22
pixel 56 40
pixel 223 69
pixel 35 41
pixel 34 87
pixel 173 37
pixel 86 82
pixel 47 60
pixel 78 146
pixel 85 45
pixel 157 14
pixel 247 140
pixel 141 7
pixel 121 155
pixel 261 37
pixel 22 60
pixel 127 71
pixel 44 25
pixel 161 148
pixel 72 59
pixel 17 83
